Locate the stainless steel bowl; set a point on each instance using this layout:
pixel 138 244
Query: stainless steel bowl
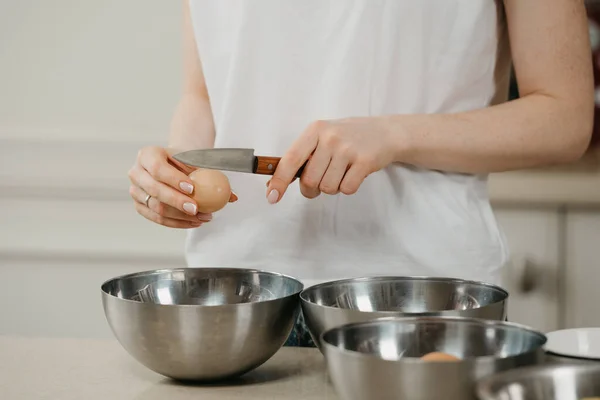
pixel 381 359
pixel 201 323
pixel 346 301
pixel 547 382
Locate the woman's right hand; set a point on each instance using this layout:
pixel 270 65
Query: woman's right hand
pixel 170 189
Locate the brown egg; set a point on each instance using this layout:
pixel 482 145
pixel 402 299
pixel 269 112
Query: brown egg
pixel 438 356
pixel 211 189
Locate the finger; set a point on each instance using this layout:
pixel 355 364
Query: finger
pixel 162 209
pixel 269 181
pixel 186 169
pixel 295 177
pixel 353 179
pixel 330 184
pixel 159 219
pixel 162 192
pixel 163 171
pixel 314 172
pixel 291 162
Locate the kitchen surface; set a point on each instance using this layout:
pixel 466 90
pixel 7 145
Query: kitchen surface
pixel 70 127
pixel 96 369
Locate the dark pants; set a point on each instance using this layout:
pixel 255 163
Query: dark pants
pixel 300 337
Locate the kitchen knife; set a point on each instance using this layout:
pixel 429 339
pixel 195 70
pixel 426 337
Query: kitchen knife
pixel 239 160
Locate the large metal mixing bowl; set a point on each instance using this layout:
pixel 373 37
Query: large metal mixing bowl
pixel 202 323
pixel 346 301
pixel 381 359
pixel 546 382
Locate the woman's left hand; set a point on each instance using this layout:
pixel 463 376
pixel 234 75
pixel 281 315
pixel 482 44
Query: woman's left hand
pixel 341 154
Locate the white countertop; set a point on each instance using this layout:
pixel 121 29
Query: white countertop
pixel 78 369
pixel 551 188
pixel 577 184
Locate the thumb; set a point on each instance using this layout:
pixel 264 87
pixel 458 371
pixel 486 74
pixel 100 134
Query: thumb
pixel 284 175
pixel 186 169
pixel 275 189
pixel 269 181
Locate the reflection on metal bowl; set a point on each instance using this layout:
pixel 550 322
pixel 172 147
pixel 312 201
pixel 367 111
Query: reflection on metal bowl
pixel 546 382
pixel 362 299
pixel 381 359
pixel 201 323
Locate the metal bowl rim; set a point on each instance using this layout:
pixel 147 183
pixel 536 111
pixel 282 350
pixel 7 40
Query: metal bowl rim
pixel 183 269
pixel 400 278
pixel 483 386
pixel 414 360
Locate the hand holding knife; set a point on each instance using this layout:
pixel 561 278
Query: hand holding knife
pixel 231 159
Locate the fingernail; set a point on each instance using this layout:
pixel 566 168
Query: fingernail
pixel 190 208
pixel 186 187
pixel 204 217
pixel 273 196
pixel 234 197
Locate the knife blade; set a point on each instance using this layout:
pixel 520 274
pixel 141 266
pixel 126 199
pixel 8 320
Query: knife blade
pixel 230 159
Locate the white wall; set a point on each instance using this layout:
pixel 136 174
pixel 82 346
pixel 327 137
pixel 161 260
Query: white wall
pixel 83 84
pixel 89 69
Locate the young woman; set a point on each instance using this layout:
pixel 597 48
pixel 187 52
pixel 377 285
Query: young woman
pixel 400 108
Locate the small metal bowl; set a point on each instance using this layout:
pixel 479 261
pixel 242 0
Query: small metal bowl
pixel 543 382
pixel 201 323
pixel 381 359
pixel 336 303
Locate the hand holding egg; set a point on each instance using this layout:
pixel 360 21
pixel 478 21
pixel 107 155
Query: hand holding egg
pixel 164 193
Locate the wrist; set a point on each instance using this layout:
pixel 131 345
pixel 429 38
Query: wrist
pixel 397 137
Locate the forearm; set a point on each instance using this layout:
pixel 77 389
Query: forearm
pixel 533 131
pixel 192 125
pixel 550 124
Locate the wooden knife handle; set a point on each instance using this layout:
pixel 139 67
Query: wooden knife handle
pixel 267 165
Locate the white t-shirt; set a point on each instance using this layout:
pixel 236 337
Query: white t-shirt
pixel 274 66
